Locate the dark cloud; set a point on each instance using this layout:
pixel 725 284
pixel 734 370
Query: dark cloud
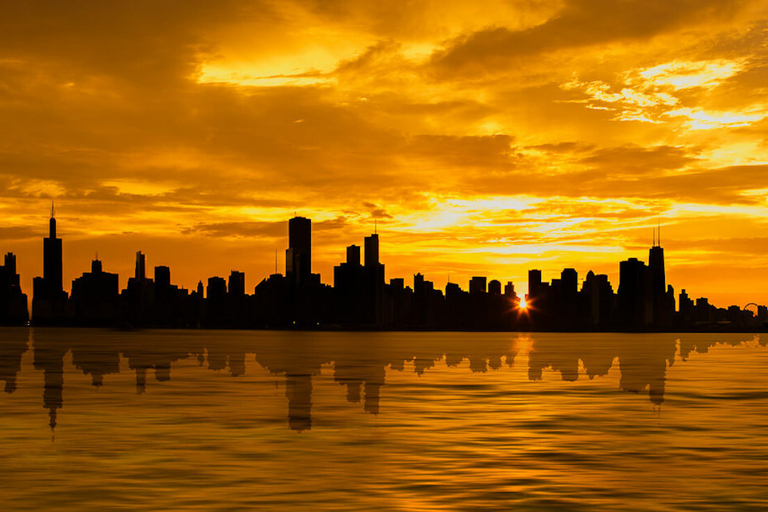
pixel 239 229
pixel 19 233
pixel 580 23
pixel 640 161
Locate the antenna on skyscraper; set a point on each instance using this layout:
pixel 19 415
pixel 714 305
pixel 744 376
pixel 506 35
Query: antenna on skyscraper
pixel 375 227
pixel 53 210
pixel 658 238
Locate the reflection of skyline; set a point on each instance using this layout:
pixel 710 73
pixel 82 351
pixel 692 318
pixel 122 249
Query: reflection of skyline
pixel 360 367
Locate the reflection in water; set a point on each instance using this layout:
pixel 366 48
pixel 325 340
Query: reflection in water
pixel 12 347
pixel 642 364
pixel 359 363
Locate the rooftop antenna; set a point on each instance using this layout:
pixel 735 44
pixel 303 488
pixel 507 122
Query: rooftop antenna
pixel 654 237
pixel 53 210
pixel 375 227
pixel 659 236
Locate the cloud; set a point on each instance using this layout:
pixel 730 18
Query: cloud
pixel 580 23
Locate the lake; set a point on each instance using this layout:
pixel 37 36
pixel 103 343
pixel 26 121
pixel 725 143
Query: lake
pixel 244 420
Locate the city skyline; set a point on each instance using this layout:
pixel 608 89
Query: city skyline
pixel 125 267
pixel 361 297
pixel 502 136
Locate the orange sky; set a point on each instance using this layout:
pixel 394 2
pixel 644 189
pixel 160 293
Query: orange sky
pixel 486 138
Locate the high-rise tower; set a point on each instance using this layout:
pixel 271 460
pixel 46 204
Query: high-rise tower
pixel 52 259
pixel 49 301
pixel 298 256
pixel 663 305
pixel 372 251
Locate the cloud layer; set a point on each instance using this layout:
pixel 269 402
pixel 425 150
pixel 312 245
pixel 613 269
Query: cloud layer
pixel 481 139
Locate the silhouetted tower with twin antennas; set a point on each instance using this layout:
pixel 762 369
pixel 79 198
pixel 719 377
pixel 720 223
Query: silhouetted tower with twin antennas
pixel 662 298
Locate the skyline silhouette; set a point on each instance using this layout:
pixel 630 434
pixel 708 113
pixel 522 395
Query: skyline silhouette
pixel 360 298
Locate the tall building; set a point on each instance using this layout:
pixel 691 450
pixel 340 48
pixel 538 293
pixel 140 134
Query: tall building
pixel 216 289
pixel 95 296
pixel 51 285
pixel 237 283
pixel 49 302
pixel 371 251
pixel 141 266
pixel 298 256
pixel 353 255
pixel 662 299
pixel 534 283
pixel 477 285
pixel 635 305
pixel 13 303
pixel 162 276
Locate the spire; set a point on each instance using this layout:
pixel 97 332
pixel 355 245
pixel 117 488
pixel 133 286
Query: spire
pixel 658 237
pixel 52 223
pixel 375 227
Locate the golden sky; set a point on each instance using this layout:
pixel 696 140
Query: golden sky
pixel 485 138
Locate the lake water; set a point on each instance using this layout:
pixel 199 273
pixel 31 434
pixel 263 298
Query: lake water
pixel 232 420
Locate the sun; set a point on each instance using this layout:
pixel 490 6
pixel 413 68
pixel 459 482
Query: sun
pixel 523 303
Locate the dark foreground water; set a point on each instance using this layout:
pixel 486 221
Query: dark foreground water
pixel 223 420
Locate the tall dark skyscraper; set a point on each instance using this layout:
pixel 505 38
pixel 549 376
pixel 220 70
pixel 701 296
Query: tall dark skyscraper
pixel 298 256
pixel 656 264
pixel 52 259
pixel 371 251
pixel 141 266
pixel 353 255
pixel 663 303
pixel 49 302
pixel 13 303
pixel 534 283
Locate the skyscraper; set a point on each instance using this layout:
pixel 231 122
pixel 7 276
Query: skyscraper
pixel 49 302
pixel 371 251
pixel 141 266
pixel 298 256
pixel 13 303
pixel 534 283
pixel 52 259
pixel 663 306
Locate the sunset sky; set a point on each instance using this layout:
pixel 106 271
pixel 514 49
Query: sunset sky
pixel 484 138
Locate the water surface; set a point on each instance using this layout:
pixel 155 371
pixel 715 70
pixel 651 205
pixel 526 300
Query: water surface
pixel 229 420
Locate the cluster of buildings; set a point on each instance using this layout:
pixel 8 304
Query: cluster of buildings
pixel 361 298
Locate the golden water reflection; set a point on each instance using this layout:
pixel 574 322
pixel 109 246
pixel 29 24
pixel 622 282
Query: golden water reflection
pixel 360 360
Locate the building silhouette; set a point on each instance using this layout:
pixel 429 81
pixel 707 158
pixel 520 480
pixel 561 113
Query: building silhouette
pixel 13 303
pixel 95 296
pixel 49 302
pixel 298 256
